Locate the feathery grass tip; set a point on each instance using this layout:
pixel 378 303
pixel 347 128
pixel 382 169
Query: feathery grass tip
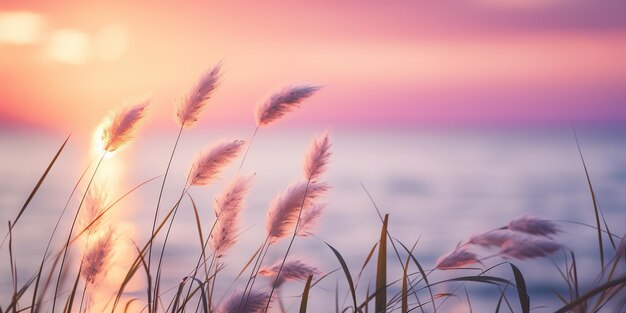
pixel 255 302
pixel 282 102
pixel 457 258
pixel 97 255
pixel 190 107
pixel 283 212
pixel 317 158
pixel 529 248
pixel 292 270
pixel 227 210
pixel 209 163
pixel 533 226
pixel 119 126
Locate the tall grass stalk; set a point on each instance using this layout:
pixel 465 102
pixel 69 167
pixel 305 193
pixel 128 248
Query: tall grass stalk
pixel 186 115
pixel 156 215
pixel 69 236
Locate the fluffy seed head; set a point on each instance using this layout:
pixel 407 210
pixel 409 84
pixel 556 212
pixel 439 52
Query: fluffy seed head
pixel 190 107
pixel 292 270
pixel 95 204
pixel 283 212
pixel 96 257
pixel 533 226
pixel 317 158
pixel 528 248
pixel 458 258
pixel 282 102
pixel 227 210
pixel 234 304
pixel 491 239
pixel 119 126
pixel 309 219
pixel 209 163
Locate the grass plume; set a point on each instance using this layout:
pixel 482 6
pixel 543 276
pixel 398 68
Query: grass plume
pixel 282 102
pixel 190 107
pixel 119 126
pixel 210 162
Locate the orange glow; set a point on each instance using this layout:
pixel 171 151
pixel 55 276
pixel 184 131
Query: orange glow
pixel 90 58
pixel 20 27
pixel 69 46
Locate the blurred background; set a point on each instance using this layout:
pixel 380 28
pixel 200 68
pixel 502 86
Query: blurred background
pixel 457 117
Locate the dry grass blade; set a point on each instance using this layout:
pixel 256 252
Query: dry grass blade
pixel 198 226
pixel 128 303
pixel 13 266
pixel 574 272
pixel 469 304
pixel 305 294
pixel 524 299
pixel 493 280
pixel 139 259
pixel 39 182
pixel 423 273
pixel 596 209
pixel 502 295
pixel 346 271
pixel 70 300
pixel 381 270
pixel 405 290
pixel 588 295
pixel 205 305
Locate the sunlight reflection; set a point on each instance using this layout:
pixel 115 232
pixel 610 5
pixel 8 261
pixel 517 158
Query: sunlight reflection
pixel 20 27
pixel 69 46
pixel 111 176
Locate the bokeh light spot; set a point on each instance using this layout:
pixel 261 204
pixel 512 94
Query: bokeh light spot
pixel 69 46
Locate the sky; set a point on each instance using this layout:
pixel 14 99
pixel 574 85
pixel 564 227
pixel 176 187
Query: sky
pixel 64 64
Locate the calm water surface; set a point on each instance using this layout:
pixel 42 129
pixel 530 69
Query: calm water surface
pixel 439 186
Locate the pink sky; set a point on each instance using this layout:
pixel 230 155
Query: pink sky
pixel 64 64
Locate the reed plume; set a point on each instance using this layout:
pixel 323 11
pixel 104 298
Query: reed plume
pixel 309 219
pixel 95 204
pixel 227 210
pixel 188 110
pixel 282 102
pixel 119 126
pixel 234 304
pixel 283 213
pixel 457 258
pixel 495 238
pixel 291 270
pixel 533 226
pixel 209 163
pixel 529 247
pixel 317 158
pixel 97 255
